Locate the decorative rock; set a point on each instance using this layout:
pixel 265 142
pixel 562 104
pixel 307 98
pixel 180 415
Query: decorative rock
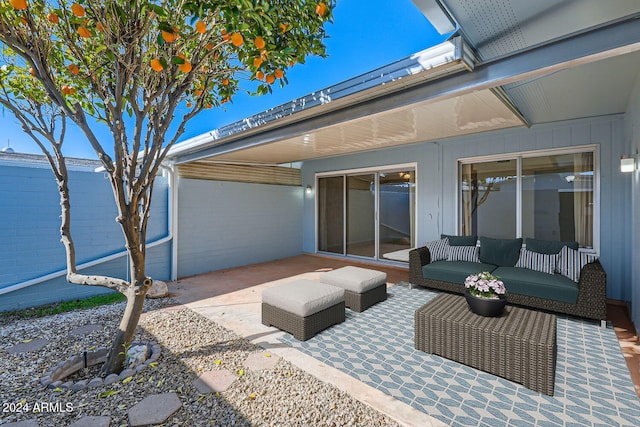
pixel 211 381
pixel 95 382
pixel 25 423
pixel 92 422
pixel 136 355
pixel 80 385
pixel 158 289
pixel 46 380
pixel 55 384
pixel 25 347
pixel 126 373
pixel 141 368
pixel 154 409
pixel 111 378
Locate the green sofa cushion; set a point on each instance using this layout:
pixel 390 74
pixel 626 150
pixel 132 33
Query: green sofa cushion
pixel 460 240
pixel 501 252
pixel 454 271
pixel 548 246
pixel 536 284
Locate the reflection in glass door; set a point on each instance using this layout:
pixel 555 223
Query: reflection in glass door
pixel 361 202
pixel 397 206
pixel 368 214
pixel 331 214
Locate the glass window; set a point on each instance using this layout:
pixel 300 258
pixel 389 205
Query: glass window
pixel 553 194
pixel 489 199
pixel 557 198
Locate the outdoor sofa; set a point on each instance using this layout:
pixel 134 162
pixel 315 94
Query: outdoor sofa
pixel 544 275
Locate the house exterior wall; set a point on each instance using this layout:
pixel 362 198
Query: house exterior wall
pixel 632 146
pixel 230 224
pixel 30 236
pixel 437 182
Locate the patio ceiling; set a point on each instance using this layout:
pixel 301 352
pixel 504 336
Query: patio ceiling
pixel 521 63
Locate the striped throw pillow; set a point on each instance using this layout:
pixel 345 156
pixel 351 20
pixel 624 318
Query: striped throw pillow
pixel 544 263
pixel 570 262
pixel 439 249
pixel 464 253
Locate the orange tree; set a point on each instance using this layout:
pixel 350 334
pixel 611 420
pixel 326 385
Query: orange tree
pixel 143 69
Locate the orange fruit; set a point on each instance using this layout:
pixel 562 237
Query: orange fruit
pixel 77 10
pixel 100 27
pixel 259 75
pixel 283 27
pixel 18 4
pixel 225 82
pixel 279 73
pixel 270 78
pixel 189 104
pixel 259 42
pixel 156 64
pixel 209 105
pixel 185 67
pixel 321 8
pixel 53 18
pixel 225 36
pixel 84 32
pixel 201 27
pixel 237 39
pixel 73 68
pixel 32 72
pixel 68 90
pixel 209 46
pixel 257 61
pixel 198 92
pixel 170 37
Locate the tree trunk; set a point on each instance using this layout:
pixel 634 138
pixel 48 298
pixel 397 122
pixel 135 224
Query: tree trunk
pixel 124 335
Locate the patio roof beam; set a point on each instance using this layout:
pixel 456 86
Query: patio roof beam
pixel 608 41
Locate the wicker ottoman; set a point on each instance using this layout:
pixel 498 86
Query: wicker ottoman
pixel 520 345
pixel 303 308
pixel 362 287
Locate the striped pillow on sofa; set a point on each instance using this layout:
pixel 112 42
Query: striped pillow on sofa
pixel 439 249
pixel 464 253
pixel 544 263
pixel 570 262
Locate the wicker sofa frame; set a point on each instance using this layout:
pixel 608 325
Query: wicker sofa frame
pixel 592 293
pixel 361 301
pixel 302 328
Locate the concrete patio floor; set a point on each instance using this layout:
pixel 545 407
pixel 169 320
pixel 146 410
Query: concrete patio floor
pixel 232 298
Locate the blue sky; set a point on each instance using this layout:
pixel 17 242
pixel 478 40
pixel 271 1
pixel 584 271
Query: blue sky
pixel 365 35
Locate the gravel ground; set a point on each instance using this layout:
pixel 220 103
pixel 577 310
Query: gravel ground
pixel 191 344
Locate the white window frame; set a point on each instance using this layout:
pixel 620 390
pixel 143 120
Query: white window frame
pixel 518 156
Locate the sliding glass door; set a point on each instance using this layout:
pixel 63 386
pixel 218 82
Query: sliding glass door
pixel 366 214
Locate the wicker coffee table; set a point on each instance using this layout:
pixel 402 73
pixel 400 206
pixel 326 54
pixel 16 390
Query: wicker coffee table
pixel 520 345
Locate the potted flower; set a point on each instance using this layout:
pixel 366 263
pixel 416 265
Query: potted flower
pixel 485 294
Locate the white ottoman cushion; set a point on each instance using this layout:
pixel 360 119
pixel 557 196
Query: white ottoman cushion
pixel 303 297
pixel 354 279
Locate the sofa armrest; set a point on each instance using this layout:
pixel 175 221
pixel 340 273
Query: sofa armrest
pixel 593 290
pixel 420 256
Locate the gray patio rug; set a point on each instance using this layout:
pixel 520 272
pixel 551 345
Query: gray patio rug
pixel 592 382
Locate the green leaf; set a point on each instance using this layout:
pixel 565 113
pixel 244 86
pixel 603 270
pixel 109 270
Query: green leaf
pixel 107 393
